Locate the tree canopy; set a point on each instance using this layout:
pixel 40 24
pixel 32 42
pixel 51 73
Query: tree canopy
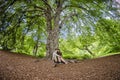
pixel 77 27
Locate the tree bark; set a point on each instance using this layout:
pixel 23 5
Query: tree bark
pixel 53 28
pixel 53 36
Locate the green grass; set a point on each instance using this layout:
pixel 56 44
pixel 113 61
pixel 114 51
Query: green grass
pixel 87 55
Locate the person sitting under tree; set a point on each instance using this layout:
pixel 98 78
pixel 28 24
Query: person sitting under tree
pixel 57 57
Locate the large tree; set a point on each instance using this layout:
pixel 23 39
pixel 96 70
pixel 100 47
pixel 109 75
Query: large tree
pixel 52 15
pixel 57 12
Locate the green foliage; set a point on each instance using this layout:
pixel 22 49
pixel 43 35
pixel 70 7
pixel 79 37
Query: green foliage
pixel 108 32
pixel 102 42
pixel 84 32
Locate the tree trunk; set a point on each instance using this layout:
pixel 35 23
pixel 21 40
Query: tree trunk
pixel 53 29
pixel 52 42
pixel 86 48
pixel 52 38
pixel 35 49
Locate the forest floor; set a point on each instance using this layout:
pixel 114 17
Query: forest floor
pixel 15 66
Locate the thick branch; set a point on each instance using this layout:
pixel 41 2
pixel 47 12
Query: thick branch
pixel 73 6
pixel 58 10
pixel 41 8
pixel 46 3
pixel 33 10
pixel 39 15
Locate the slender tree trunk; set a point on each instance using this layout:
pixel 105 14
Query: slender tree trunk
pixel 86 48
pixel 35 49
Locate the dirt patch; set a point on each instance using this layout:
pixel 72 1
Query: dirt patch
pixel 22 67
